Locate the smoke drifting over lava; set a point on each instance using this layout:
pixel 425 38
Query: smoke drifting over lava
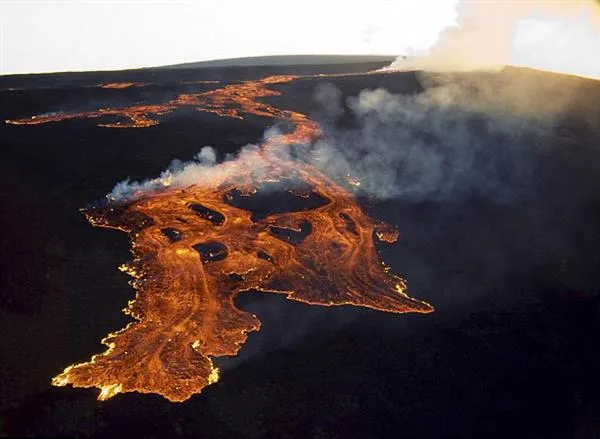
pixel 562 37
pixel 464 135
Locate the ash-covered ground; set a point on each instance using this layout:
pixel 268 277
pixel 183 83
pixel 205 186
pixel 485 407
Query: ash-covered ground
pixel 491 178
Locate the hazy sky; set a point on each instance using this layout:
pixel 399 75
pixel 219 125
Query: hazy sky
pixel 50 36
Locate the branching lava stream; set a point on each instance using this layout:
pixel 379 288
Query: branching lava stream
pixel 196 248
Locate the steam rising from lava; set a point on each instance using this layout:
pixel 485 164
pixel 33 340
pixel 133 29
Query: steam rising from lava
pixel 558 36
pixel 465 135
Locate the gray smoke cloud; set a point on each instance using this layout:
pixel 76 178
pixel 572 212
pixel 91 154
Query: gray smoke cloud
pixel 465 135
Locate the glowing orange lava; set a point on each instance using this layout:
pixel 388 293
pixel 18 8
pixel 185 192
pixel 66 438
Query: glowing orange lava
pixel 233 100
pixel 119 85
pixel 196 248
pixel 230 101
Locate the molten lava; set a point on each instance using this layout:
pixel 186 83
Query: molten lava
pixel 230 101
pixel 121 85
pixel 196 248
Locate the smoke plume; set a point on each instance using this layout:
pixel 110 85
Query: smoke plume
pixel 465 135
pixel 559 36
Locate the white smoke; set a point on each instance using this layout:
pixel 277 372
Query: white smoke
pixel 201 170
pixel 205 170
pixel 559 36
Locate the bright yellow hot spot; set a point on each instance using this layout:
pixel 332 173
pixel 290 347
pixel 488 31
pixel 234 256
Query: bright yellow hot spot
pixel 108 391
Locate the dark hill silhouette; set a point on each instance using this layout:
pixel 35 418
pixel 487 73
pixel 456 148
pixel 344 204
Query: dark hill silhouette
pixel 287 60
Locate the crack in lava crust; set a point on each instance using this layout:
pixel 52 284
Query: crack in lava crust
pixel 195 251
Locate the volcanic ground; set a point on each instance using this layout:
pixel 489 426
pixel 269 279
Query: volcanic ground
pixel 512 271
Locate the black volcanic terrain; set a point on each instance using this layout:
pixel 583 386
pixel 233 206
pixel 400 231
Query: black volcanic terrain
pixel 507 251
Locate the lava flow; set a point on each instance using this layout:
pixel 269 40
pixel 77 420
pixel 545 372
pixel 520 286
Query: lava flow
pixel 196 248
pixel 121 85
pixel 232 101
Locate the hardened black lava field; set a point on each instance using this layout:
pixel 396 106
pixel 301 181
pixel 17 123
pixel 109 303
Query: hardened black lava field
pixel 504 251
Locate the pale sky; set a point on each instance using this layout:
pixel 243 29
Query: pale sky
pixel 74 35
